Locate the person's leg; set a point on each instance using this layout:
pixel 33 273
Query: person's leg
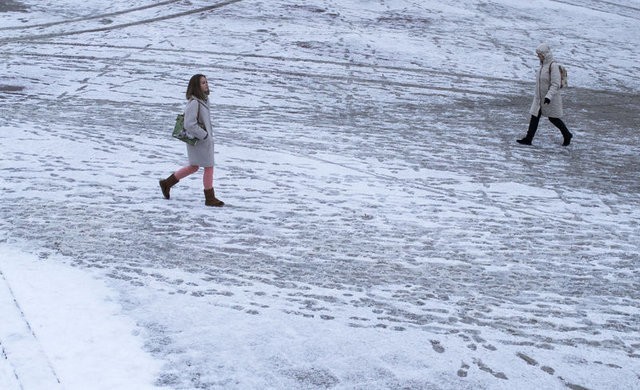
pixel 566 134
pixel 174 178
pixel 186 171
pixel 531 132
pixel 207 178
pixel 209 193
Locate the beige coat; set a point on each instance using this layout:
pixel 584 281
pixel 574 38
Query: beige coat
pixel 198 125
pixel 547 86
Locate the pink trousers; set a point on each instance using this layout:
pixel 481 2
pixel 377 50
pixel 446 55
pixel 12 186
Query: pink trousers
pixel 207 178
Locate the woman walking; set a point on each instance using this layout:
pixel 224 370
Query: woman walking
pixel 548 99
pixel 197 123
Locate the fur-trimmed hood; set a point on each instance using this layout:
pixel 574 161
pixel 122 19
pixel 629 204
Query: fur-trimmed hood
pixel 545 50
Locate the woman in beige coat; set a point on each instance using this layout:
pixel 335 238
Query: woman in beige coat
pixel 548 98
pixel 197 123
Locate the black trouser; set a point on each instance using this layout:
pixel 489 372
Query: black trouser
pixel 557 122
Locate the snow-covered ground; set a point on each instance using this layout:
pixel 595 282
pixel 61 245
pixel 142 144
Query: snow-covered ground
pixel 61 328
pixel 382 227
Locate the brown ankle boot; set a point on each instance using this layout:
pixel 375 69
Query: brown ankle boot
pixel 166 184
pixel 211 200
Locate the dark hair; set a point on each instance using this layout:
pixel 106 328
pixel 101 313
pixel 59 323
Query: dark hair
pixel 194 90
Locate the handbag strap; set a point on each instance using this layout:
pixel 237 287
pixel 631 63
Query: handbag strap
pixel 552 62
pixel 198 117
pixel 201 124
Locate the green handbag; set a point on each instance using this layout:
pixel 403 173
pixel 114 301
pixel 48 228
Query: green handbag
pixel 180 133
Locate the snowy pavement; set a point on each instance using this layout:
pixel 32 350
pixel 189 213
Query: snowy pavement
pixel 62 329
pixel 382 228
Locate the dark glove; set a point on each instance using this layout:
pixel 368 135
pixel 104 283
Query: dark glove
pixel 547 101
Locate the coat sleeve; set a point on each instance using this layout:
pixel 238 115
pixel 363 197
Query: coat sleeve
pixel 191 124
pixel 554 82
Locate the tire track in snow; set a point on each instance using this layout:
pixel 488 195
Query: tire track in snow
pixel 119 26
pixel 345 64
pixel 3 355
pixel 28 344
pixel 291 73
pixel 82 19
pixel 607 7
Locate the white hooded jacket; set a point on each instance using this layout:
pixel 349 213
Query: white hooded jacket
pixel 547 86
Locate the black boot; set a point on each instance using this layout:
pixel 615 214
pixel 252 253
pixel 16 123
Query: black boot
pixel 211 200
pixel 166 184
pixel 531 132
pixel 566 134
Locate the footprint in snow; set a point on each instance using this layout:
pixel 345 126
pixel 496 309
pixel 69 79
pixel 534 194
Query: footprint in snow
pixel 436 346
pixel 462 372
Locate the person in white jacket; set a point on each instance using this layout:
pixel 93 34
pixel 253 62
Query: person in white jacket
pixel 547 100
pixel 197 123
